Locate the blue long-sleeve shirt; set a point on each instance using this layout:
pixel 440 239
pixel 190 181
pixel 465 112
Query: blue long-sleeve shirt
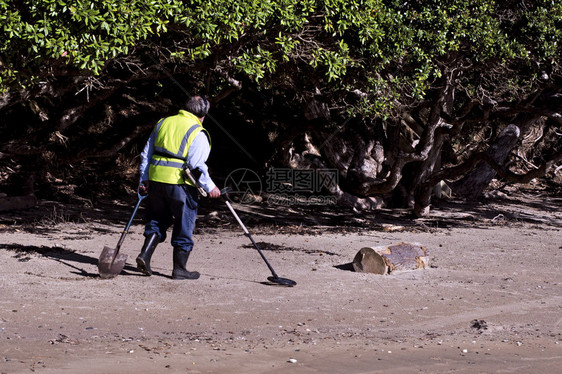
pixel 196 158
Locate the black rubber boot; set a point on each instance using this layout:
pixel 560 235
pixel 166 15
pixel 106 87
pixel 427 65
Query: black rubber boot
pixel 143 260
pixel 180 272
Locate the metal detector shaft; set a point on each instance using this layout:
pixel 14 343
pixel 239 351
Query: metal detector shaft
pixel 247 233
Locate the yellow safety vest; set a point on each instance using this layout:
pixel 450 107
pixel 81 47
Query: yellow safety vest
pixel 174 136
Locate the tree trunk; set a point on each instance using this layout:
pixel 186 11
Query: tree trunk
pixel 472 185
pixel 422 193
pixel 433 137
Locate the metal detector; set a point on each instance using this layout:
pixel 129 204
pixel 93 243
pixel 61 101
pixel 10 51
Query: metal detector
pixel 274 278
pixel 224 195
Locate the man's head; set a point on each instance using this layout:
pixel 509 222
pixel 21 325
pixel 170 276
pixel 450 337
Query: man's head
pixel 198 105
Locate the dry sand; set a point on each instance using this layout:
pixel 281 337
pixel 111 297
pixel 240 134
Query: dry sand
pixel 491 301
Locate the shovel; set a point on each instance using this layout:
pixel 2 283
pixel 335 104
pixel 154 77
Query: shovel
pixel 111 262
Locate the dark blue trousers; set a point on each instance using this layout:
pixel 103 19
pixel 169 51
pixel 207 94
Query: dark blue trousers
pixel 172 204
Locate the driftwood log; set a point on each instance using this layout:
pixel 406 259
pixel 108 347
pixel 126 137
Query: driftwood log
pixel 394 257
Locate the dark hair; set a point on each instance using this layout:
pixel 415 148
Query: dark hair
pixel 198 105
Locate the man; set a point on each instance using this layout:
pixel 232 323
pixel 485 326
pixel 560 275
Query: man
pixel 176 142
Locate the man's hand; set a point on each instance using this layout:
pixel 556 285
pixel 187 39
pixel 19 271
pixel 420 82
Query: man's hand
pixel 215 193
pixel 143 187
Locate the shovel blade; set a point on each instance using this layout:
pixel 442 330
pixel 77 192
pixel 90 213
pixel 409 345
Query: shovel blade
pixel 111 262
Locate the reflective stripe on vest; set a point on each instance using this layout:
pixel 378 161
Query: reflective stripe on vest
pixel 174 136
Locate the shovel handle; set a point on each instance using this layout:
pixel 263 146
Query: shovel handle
pixel 126 231
pixel 195 182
